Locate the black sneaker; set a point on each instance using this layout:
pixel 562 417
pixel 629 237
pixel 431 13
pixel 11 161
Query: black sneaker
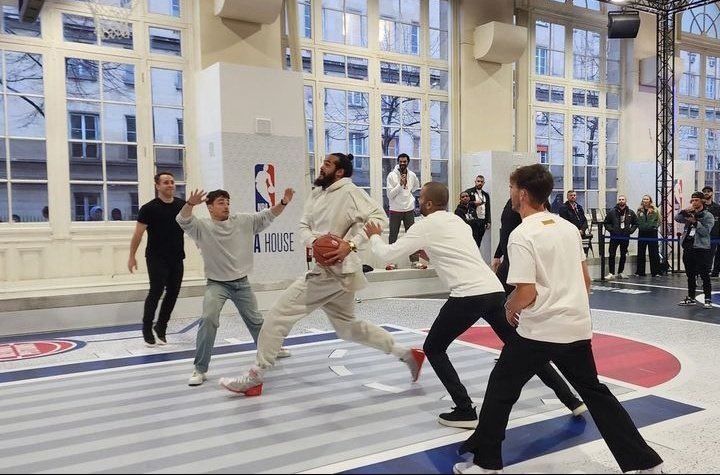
pixel 462 418
pixel 149 337
pixel 687 301
pixel 159 335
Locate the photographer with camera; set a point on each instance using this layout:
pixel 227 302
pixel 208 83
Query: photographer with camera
pixel 696 247
pixel 573 212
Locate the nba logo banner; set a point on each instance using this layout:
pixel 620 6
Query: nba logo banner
pixel 264 186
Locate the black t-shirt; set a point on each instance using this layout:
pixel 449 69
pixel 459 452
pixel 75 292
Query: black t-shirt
pixel 165 237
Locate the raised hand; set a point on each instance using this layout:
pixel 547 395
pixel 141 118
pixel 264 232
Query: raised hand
pixel 288 196
pixel 196 197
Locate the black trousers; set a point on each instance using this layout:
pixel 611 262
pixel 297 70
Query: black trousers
pixel 519 360
pixel 646 242
pixel 697 263
pixel 623 245
pixel 455 317
pixel 478 229
pixel 716 258
pixel 165 276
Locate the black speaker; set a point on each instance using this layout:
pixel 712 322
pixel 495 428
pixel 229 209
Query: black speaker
pixel 29 10
pixel 623 24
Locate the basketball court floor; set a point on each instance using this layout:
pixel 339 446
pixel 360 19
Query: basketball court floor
pixel 99 401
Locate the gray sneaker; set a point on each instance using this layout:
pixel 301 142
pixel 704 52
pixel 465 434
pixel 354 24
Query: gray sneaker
pixel 250 385
pixel 708 304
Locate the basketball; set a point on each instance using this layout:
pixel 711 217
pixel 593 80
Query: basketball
pixel 324 244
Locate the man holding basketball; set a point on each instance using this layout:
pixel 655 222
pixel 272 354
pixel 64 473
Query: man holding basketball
pixel 335 206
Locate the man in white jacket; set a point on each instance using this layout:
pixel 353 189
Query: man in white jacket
pixel 338 207
pixel 402 183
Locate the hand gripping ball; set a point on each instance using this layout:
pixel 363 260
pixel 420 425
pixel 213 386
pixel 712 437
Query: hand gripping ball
pixel 324 244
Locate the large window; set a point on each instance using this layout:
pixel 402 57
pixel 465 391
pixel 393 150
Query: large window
pixel 118 114
pixel 577 108
pixel 23 155
pixel 377 97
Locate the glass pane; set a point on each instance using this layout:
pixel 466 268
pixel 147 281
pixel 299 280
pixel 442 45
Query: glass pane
pixel 389 73
pixel 439 170
pixel 164 7
pixel 411 75
pixel 390 142
pixel 87 203
pixel 358 107
pixel 410 142
pixel 116 125
pixel 79 29
pixel 118 82
pixel 613 101
pixel 357 68
pixel 28 201
pixel 334 65
pixel 306 60
pixel 3 161
pixel 81 78
pixel 85 161
pixel 165 41
pixel 24 73
pixel 13 25
pixel 335 137
pixel 122 202
pixel 167 87
pixel 439 145
pixel 28 159
pixel 121 162
pixel 4 204
pixel 356 29
pixel 26 116
pixel 438 47
pixel 171 159
pixel 335 105
pixel 333 22
pixel 167 125
pixel 411 112
pixel 439 116
pixel 611 179
pixel 439 79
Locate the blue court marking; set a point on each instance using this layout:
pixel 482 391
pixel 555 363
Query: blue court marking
pixel 534 440
pixel 71 368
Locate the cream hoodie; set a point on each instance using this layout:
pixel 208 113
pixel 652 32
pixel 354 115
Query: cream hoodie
pixel 342 209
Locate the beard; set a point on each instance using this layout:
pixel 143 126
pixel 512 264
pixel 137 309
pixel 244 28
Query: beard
pixel 323 180
pixel 402 169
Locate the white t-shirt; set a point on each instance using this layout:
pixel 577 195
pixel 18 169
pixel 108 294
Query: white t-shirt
pixel 449 244
pixel 546 250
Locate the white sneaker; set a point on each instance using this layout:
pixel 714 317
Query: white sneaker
pixel 469 467
pixel 620 276
pixel 251 384
pixel 197 378
pixel 655 469
pixel 581 409
pixel 284 353
pixel 610 277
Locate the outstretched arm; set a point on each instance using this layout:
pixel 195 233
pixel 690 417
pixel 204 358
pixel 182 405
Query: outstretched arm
pixel 286 199
pixel 195 198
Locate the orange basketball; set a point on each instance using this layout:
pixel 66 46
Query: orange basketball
pixel 324 244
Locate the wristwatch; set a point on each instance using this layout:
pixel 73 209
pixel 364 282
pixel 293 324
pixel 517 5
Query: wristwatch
pixel 352 245
pixel 282 202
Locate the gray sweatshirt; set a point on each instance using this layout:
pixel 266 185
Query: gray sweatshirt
pixel 227 246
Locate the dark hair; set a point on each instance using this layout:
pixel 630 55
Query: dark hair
pixel 698 194
pixel 707 188
pixel 437 193
pixel 215 194
pixel 159 174
pixel 535 180
pixel 345 162
pixel 405 155
pixel 570 191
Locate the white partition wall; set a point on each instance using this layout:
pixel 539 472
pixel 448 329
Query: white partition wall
pixel 496 167
pixel 251 133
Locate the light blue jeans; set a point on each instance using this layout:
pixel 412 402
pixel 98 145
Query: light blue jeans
pixel 216 293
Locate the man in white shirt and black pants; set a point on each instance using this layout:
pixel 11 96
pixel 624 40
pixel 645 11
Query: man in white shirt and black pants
pixel 475 292
pixel 551 309
pixel 402 183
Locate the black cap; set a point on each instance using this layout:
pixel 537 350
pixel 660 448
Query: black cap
pixel 698 194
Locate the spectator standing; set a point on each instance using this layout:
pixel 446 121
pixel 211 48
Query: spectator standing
pixel 572 211
pixel 696 247
pixel 648 218
pixel 621 223
pixel 402 183
pixel 714 209
pixel 509 220
pixel 480 201
pixel 464 211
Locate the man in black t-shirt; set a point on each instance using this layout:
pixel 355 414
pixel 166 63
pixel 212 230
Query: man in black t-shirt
pixel 164 255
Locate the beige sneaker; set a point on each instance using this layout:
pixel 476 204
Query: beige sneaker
pixel 284 353
pixel 197 378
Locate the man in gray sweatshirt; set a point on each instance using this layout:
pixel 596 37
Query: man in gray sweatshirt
pixel 226 243
pixel 338 207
